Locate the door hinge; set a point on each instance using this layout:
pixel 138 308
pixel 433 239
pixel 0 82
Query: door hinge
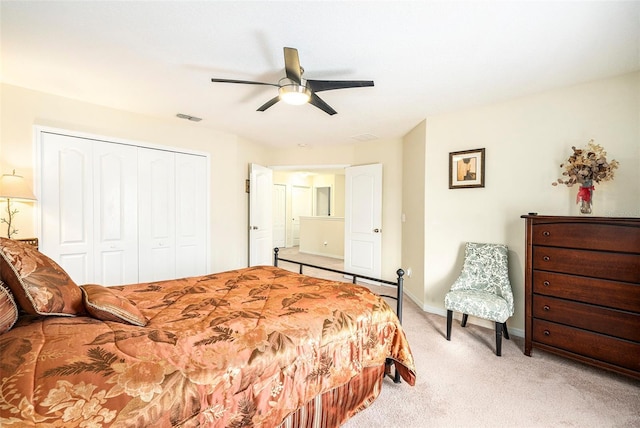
pixel 247 185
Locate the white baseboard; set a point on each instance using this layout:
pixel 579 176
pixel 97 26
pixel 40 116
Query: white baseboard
pixel 319 253
pixel 472 320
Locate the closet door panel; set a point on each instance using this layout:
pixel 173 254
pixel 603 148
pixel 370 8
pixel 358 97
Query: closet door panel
pixel 191 215
pixel 156 215
pixel 114 213
pixel 116 209
pixel 66 202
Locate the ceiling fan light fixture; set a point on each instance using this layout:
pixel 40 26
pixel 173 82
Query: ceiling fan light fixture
pixel 294 94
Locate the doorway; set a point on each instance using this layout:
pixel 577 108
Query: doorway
pixel 361 253
pixel 301 189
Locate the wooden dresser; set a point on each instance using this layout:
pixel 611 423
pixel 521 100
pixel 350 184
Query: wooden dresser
pixel 582 290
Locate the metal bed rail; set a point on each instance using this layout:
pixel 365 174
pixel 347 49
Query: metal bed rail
pixel 399 283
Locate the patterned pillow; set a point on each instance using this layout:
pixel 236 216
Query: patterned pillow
pixel 39 285
pixel 107 305
pixel 8 309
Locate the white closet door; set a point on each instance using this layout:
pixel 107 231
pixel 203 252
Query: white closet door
pixel 191 215
pixel 116 213
pixel 66 202
pixel 156 215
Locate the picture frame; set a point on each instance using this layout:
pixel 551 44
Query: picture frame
pixel 466 169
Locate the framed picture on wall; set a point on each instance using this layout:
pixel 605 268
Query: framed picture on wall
pixel 466 169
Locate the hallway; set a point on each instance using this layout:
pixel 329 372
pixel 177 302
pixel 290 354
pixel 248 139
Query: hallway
pixel 292 253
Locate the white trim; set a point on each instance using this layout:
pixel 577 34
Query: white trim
pixel 38 129
pixel 318 253
pixel 518 332
pixel 306 167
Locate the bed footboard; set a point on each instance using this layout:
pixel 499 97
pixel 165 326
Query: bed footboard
pixel 398 297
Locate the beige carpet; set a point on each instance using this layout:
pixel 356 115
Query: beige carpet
pixel 462 383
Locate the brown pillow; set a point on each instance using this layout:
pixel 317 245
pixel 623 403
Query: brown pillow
pixel 107 305
pixel 8 309
pixel 39 285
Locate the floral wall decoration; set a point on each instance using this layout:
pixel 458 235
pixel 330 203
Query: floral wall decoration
pixel 586 167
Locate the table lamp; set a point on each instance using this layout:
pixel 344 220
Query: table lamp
pixel 13 186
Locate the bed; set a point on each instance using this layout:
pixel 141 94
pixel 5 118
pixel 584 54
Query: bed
pixel 259 346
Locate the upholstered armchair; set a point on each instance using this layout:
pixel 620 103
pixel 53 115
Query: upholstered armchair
pixel 483 289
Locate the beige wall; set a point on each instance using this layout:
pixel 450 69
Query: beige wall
pixel 322 236
pixel 413 209
pixel 21 109
pixel 526 140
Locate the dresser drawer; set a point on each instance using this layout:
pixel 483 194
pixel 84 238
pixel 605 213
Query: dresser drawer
pixel 590 236
pixel 620 295
pixel 619 352
pixel 598 264
pixel 622 324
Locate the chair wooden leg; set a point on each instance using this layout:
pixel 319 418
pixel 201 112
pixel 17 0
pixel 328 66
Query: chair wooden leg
pixel 506 332
pixel 499 338
pixel 464 320
pixel 449 319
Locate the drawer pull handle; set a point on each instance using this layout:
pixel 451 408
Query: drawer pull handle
pixel 546 258
pixel 547 333
pixel 546 283
pixel 546 233
pixel 546 308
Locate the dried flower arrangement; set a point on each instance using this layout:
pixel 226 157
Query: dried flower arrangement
pixel 586 166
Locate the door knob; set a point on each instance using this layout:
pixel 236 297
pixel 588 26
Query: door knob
pixel 376 230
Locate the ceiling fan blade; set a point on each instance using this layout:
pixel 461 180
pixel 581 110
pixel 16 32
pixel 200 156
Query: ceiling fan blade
pixel 269 103
pixel 317 101
pixel 248 82
pixel 327 85
pixel 292 65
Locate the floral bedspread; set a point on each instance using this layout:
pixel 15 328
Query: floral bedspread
pixel 239 348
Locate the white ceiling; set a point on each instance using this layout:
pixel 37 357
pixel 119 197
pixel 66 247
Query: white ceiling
pixel 426 58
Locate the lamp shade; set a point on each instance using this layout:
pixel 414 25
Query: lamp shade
pixel 13 186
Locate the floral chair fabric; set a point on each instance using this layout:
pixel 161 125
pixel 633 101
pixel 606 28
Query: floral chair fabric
pixel 483 289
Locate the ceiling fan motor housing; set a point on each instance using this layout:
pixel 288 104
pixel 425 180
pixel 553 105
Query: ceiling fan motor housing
pixel 293 93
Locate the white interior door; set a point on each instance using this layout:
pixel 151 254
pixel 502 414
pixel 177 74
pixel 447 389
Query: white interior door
pixel 111 210
pixel 363 220
pixel 66 203
pixel 156 208
pixel 260 213
pixel 301 206
pixel 279 215
pixel 191 215
pixel 115 198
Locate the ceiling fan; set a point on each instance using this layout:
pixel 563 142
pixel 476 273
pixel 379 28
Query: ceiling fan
pixel 294 89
